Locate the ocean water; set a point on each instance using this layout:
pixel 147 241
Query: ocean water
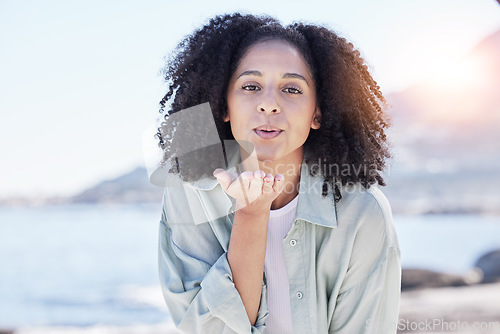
pixel 97 265
pixel 79 266
pixel 447 243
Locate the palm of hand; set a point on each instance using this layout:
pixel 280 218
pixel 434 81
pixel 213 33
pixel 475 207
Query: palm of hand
pixel 252 191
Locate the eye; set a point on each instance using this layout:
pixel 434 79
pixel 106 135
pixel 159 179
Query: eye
pixel 292 90
pixel 250 87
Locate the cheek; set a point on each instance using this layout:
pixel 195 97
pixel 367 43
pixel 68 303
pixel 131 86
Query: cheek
pixel 237 122
pixel 303 127
pixel 231 101
pixel 304 131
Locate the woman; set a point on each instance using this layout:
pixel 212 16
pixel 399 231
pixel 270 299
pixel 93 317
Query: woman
pixel 292 235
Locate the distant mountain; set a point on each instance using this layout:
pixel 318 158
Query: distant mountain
pixel 133 187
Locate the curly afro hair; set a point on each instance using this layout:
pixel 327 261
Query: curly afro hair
pixel 350 146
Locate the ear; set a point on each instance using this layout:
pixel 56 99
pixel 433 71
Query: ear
pixel 316 122
pixel 226 118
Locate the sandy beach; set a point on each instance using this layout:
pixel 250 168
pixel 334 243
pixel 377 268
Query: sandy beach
pixel 464 310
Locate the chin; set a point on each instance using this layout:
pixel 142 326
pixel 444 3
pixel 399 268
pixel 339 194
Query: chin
pixel 267 155
pixel 264 152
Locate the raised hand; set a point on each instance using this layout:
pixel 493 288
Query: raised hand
pixel 253 191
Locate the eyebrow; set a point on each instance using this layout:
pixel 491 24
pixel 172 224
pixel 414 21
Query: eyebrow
pixel 284 76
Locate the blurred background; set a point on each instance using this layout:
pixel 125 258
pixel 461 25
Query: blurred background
pixel 80 85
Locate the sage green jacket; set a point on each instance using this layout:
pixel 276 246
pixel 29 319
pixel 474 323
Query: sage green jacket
pixel 343 261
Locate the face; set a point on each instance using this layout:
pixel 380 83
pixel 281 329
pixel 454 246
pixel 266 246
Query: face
pixel 272 101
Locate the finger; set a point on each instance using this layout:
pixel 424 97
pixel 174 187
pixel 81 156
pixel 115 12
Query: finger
pixel 267 186
pixel 259 174
pixel 223 178
pixel 256 183
pixel 218 171
pixel 279 183
pixel 244 181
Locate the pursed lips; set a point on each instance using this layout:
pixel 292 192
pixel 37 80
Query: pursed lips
pixel 267 131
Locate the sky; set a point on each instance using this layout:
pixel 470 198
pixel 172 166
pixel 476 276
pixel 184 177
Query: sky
pixel 80 82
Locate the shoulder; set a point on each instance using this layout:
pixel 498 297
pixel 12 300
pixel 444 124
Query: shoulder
pixel 365 216
pixel 367 201
pixel 367 211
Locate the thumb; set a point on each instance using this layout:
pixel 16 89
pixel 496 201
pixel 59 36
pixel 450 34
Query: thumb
pixel 223 178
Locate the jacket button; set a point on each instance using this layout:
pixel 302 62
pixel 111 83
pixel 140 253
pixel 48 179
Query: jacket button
pixel 299 295
pixel 293 242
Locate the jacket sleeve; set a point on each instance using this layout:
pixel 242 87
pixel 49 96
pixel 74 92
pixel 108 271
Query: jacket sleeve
pixel 368 302
pixel 195 276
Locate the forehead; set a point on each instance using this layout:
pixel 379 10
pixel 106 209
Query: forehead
pixel 274 55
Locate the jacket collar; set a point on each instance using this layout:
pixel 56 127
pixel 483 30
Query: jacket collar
pixel 312 206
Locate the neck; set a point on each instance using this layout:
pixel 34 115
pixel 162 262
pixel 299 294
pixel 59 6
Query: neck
pixel 288 166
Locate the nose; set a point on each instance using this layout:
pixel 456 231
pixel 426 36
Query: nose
pixel 269 110
pixel 269 105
